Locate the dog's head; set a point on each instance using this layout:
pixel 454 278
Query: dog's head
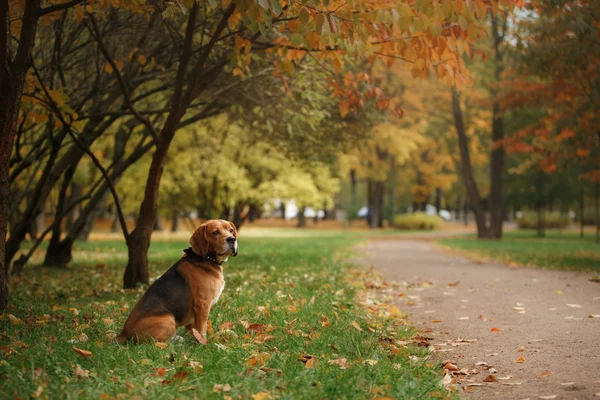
pixel 215 235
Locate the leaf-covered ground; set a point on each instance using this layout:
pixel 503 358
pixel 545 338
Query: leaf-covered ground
pixel 295 321
pixel 557 250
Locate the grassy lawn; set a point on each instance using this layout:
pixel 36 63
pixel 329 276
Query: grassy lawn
pixel 316 331
pixel 564 250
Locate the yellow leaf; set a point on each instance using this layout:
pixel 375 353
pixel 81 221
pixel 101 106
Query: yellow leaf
pixel 261 396
pixel 520 360
pixel 344 108
pixel 108 68
pixel 357 326
pixel 142 59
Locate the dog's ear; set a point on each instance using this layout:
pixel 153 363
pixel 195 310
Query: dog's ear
pixel 234 229
pixel 235 252
pixel 199 241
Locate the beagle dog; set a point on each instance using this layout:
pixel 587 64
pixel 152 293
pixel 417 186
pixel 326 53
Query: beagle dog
pixel 184 294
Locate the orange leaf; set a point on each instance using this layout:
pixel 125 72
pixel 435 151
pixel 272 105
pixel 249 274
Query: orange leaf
pixel 82 353
pixel 495 329
pixel 257 328
pixel 226 326
pixel 520 360
pixel 544 374
pixel 199 337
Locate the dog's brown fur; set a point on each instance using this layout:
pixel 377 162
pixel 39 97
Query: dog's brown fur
pixel 184 295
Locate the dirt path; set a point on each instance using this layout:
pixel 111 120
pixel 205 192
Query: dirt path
pixel 543 316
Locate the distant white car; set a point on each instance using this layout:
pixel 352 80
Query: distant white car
pixel 445 215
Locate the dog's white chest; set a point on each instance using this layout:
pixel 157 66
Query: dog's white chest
pixel 218 294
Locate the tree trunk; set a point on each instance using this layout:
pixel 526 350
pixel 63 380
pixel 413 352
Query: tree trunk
pixel 76 193
pixel 466 169
pixel 496 197
pixel 581 210
pixel 438 199
pixel 138 241
pixel 114 226
pixel 391 203
pixel 59 253
pixel 353 202
pixel 539 188
pixel 282 208
pixel 12 79
pixel 175 222
pixel 301 218
pixel 597 216
pixel 158 226
pixel 375 216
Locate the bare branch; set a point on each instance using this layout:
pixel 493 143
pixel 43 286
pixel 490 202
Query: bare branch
pixel 96 32
pixel 59 7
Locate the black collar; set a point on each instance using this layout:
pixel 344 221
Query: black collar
pixel 191 253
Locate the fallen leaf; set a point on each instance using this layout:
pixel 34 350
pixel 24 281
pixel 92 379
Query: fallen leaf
pixel 520 360
pixel 436 321
pixel 196 366
pixel 311 301
pixel 371 362
pixel 463 318
pixel 566 383
pixel 357 326
pixel 161 345
pixel 450 367
pixel 518 308
pixel 490 378
pixel 258 359
pixel 495 329
pixel 395 312
pixel 261 396
pixel 222 388
pixel 574 305
pixel 108 321
pixel 38 392
pixel 558 292
pixel 82 353
pixel 594 316
pixel 504 378
pixel 257 328
pixel 342 362
pixel 201 339
pixel 454 283
pixel 226 326
pixel 82 373
pixel 159 372
pixel 544 374
pixel 308 360
pixel 553 396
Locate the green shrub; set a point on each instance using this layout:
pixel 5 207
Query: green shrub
pixel 589 216
pixel 553 220
pixel 417 221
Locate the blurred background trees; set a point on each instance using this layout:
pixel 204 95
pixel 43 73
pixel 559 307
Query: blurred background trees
pixel 154 114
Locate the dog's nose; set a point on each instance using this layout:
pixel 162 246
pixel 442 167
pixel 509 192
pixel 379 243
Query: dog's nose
pixel 231 239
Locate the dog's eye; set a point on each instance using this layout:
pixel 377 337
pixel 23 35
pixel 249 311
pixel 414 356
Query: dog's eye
pixel 231 230
pixel 215 233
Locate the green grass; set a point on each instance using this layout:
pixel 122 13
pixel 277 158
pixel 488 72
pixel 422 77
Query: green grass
pixel 563 250
pixel 271 283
